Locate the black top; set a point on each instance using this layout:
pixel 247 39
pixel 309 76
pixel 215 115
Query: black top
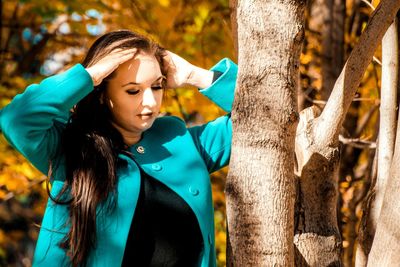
pixel 164 230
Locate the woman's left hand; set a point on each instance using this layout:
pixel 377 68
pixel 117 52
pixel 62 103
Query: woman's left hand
pixel 180 72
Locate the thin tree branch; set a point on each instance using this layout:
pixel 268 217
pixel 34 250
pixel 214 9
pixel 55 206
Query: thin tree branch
pixel 368 4
pixel 365 119
pixel 11 195
pixel 357 142
pixel 375 59
pixel 333 115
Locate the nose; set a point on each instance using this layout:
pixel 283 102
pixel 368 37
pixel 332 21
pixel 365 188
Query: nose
pixel 149 99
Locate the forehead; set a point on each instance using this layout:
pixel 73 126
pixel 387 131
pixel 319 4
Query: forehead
pixel 143 68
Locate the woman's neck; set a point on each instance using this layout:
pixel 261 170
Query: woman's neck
pixel 129 138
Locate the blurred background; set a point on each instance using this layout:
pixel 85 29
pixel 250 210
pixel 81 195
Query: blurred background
pixel 39 38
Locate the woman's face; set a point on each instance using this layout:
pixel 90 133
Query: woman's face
pixel 134 96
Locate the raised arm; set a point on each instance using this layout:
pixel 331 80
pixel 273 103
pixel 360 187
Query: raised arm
pixel 34 120
pixel 213 139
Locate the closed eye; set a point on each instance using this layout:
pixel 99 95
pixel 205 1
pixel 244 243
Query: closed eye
pixel 132 92
pixel 156 87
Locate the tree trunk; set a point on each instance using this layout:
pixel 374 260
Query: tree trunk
pixel 317 237
pixel 260 188
pixel 233 10
pixel 387 133
pixel 387 129
pixel 327 19
pixel 385 250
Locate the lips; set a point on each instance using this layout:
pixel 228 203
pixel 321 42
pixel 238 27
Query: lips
pixel 146 115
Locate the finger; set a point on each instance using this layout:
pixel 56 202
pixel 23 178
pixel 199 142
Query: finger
pixel 124 51
pixel 129 53
pixel 125 57
pixel 168 56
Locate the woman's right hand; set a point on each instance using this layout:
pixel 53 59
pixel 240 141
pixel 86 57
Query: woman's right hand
pixel 180 72
pixel 109 63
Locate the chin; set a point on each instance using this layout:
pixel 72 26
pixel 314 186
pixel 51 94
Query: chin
pixel 146 125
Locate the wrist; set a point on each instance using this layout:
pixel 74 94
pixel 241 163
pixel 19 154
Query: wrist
pixel 200 78
pixel 93 76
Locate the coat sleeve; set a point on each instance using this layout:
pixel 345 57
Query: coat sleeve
pixel 213 139
pixel 34 120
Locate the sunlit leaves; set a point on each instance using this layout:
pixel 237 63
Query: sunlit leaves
pixel 197 30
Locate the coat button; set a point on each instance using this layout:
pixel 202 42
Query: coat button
pixel 140 149
pixel 156 167
pixel 194 191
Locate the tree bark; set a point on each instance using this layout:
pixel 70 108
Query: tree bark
pixel 233 9
pixel 385 250
pixel 317 237
pixel 346 85
pixel 387 129
pixel 327 19
pixel 260 188
pixel 387 133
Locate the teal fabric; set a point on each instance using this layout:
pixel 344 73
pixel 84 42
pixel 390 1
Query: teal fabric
pixel 180 157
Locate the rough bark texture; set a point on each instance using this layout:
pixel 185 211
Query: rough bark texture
pixel 317 237
pixel 260 188
pixel 390 67
pixel 326 19
pixel 346 85
pixel 387 132
pixel 385 249
pixel 233 9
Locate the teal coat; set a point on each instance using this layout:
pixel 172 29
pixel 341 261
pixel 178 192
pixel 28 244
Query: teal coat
pixel 180 157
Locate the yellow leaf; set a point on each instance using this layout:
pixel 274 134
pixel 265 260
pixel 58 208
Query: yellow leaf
pixel 164 3
pixel 3 195
pixel 305 58
pixel 28 171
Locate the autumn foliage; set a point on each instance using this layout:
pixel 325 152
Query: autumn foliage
pixel 38 39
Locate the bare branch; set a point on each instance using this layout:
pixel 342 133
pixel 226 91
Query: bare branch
pixel 11 195
pixel 376 60
pixel 365 119
pixel 357 142
pixel 346 85
pixel 368 4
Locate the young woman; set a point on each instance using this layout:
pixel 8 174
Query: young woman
pixel 128 188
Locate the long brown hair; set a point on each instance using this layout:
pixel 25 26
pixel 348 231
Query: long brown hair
pixel 91 146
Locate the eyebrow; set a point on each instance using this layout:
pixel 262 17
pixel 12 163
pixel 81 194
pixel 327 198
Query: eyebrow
pixel 161 77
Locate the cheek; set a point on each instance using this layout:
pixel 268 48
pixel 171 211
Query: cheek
pixel 127 103
pixel 123 109
pixel 159 97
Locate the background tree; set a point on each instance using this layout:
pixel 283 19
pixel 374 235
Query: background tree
pixel 317 148
pixel 260 186
pixel 387 129
pixel 318 237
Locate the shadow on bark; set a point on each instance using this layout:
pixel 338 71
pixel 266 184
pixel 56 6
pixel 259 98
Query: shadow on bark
pixel 317 238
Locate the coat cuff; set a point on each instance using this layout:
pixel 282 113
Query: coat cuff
pixel 222 91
